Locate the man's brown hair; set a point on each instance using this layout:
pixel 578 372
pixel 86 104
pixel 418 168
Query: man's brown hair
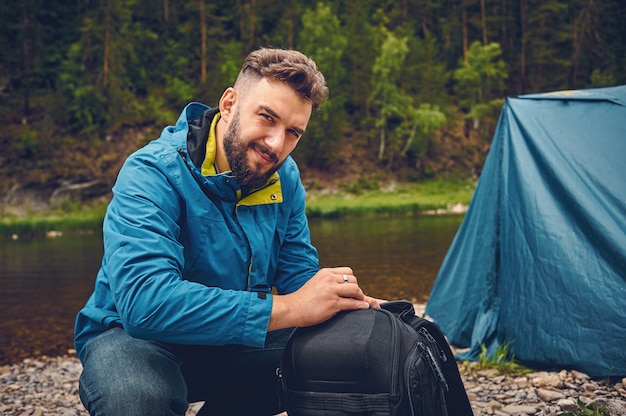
pixel 289 66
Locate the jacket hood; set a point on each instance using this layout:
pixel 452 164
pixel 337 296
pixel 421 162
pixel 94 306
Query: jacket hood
pixel 197 134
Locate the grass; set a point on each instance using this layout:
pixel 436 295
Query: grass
pixel 69 218
pixel 592 410
pixel 502 360
pixel 360 198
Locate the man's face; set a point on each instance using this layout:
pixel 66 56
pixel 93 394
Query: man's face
pixel 264 128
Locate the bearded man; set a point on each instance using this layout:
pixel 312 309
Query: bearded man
pixel 208 264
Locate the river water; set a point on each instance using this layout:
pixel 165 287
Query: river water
pixel 44 282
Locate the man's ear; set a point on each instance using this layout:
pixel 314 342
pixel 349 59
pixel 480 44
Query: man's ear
pixel 227 103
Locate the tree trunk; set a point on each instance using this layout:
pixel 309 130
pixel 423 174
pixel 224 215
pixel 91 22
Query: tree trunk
pixel 405 13
pixel 381 147
pixel 107 45
pixel 465 40
pixel 522 60
pixel 252 17
pixel 579 29
pixel 483 21
pixel 407 145
pixel 203 41
pixel 166 11
pixel 505 38
pixel 291 18
pixel 26 67
pixel 242 20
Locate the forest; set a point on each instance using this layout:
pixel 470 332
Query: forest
pixel 416 85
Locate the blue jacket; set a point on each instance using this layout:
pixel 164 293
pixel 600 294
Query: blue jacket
pixel 186 259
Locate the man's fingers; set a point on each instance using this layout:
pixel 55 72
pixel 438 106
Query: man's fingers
pixel 351 304
pixel 374 303
pixel 350 291
pixel 347 278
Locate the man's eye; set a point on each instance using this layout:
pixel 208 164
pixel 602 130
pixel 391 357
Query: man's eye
pixel 266 116
pixel 294 133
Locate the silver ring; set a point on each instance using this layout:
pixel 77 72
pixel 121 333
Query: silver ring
pixel 345 278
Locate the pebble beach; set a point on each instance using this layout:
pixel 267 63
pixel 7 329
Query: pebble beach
pixel 48 386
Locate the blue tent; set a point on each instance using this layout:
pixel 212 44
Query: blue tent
pixel 539 260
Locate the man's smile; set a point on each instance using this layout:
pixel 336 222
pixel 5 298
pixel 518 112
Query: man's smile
pixel 264 155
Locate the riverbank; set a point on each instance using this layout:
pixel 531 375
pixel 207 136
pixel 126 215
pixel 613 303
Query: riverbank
pixel 333 200
pixel 49 386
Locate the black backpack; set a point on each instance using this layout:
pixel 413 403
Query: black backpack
pixel 372 362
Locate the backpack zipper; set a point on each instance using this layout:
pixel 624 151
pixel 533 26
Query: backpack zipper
pixel 396 351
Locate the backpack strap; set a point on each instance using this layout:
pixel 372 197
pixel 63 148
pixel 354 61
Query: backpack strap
pixel 350 403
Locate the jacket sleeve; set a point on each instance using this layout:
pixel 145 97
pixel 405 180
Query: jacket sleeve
pixel 144 261
pixel 298 259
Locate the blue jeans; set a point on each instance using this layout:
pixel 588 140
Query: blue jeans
pixel 123 375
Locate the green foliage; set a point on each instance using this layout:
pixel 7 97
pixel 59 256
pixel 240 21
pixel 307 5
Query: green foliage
pixel 549 28
pixel 230 62
pixel 503 360
pixel 591 410
pixel 601 79
pixel 396 70
pixel 481 77
pixel 178 92
pixel 95 78
pixel 426 75
pixel 423 121
pixel 480 82
pixel 361 185
pixel 403 124
pixel 387 97
pixel 26 144
pixel 363 47
pixel 321 38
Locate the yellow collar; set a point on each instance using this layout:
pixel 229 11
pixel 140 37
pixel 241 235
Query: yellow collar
pixel 270 194
pixel 208 166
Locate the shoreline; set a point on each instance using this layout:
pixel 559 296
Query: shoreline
pixel 49 386
pixel 430 197
pixel 57 228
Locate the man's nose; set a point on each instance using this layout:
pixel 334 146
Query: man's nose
pixel 275 140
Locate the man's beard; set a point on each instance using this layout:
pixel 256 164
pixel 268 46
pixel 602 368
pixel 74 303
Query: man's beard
pixel 235 147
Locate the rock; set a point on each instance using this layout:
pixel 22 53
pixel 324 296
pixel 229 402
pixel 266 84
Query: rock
pixel 514 409
pixel 488 373
pixel 549 395
pixel 589 387
pixel 550 380
pixel 567 405
pixel 615 407
pixel 579 375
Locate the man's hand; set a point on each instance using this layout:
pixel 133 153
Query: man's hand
pixel 330 291
pixel 374 302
